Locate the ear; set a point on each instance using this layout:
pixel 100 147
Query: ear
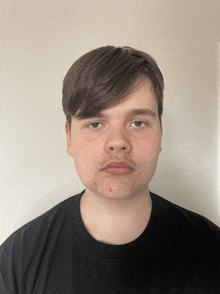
pixel 68 139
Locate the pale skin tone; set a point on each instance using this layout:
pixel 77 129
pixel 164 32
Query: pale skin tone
pixel 116 209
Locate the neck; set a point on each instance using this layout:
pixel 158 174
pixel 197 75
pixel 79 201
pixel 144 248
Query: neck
pixel 115 221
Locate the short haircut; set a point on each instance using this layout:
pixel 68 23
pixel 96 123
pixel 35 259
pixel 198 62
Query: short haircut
pixel 106 75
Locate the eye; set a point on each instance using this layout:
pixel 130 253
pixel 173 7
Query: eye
pixel 139 124
pixel 94 125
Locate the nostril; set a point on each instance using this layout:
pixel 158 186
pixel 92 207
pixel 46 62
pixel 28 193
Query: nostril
pixel 112 148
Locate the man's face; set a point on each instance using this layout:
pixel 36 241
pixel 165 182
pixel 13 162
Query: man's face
pixel 118 135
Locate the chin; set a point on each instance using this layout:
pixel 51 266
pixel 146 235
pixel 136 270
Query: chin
pixel 118 192
pixel 117 188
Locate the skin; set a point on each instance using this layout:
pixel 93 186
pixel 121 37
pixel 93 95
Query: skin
pixel 120 201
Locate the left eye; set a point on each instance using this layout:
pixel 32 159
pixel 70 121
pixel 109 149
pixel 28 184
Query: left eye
pixel 139 124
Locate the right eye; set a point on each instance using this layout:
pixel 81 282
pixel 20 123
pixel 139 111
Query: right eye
pixel 94 125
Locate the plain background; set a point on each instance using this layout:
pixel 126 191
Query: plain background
pixel 40 41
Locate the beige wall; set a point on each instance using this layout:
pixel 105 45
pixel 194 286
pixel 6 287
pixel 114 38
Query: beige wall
pixel 41 39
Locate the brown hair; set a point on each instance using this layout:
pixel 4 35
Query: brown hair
pixel 104 76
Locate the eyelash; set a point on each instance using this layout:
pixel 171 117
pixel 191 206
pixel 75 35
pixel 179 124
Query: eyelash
pixel 140 122
pixel 92 124
pixel 100 123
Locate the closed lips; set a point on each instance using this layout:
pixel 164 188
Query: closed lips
pixel 118 164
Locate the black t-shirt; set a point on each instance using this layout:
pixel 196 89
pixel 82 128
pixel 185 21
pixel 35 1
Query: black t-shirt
pixel 179 252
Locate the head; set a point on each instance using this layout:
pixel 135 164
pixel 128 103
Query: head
pixel 112 98
pixel 104 76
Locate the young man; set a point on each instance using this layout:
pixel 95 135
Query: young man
pixel 115 236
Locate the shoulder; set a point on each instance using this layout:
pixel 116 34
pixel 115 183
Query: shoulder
pixel 25 248
pixel 188 221
pixel 191 241
pixel 41 224
pixel 46 220
pixel 36 233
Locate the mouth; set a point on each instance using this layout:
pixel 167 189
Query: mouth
pixel 118 168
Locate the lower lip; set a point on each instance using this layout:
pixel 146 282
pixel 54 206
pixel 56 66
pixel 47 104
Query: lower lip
pixel 118 170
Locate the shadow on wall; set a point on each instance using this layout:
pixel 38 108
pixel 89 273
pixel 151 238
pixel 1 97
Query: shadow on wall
pixel 181 175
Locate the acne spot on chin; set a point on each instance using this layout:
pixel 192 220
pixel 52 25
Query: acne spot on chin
pixel 110 189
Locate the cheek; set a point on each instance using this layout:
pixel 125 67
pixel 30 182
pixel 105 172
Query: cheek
pixel 148 151
pixel 85 157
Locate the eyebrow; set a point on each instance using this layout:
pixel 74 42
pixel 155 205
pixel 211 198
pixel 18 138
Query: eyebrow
pixel 132 112
pixel 141 111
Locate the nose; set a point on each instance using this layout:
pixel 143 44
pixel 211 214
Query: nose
pixel 118 141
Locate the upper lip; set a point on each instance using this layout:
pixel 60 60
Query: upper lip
pixel 117 164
